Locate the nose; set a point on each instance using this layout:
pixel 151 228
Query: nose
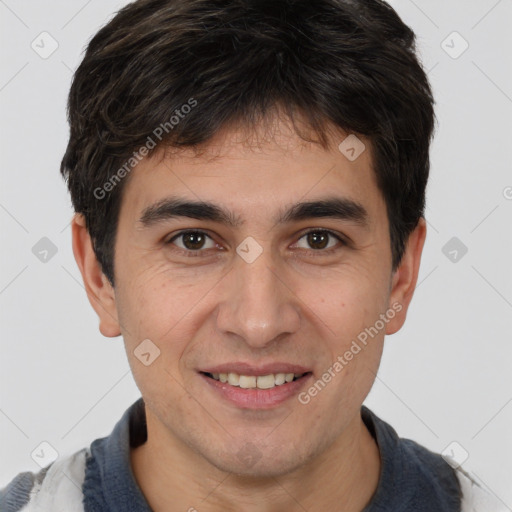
pixel 257 304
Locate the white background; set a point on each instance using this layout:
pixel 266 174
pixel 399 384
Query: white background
pixel 445 377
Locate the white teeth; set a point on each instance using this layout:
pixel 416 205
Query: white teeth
pixel 247 382
pixel 234 379
pixel 280 379
pixel 252 382
pixel 266 381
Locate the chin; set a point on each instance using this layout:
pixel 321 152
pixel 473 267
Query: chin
pixel 255 462
pixel 263 469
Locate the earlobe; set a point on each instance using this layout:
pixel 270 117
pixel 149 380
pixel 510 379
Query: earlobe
pixel 406 276
pixel 99 290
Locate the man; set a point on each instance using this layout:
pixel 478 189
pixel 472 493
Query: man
pixel 249 185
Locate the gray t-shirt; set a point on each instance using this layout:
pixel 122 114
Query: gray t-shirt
pixel 100 478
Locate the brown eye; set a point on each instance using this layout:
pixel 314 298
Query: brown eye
pixel 319 240
pixel 192 240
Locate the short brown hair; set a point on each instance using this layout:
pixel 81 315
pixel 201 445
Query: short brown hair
pixel 344 62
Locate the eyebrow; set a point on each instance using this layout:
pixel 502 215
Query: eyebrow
pixel 331 207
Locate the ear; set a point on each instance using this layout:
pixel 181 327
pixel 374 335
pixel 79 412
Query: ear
pixel 99 290
pixel 405 277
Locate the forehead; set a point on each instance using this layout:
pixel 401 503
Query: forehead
pixel 255 173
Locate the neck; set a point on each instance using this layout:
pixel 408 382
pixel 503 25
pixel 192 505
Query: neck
pixel 174 478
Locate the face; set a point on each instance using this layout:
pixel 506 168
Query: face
pixel 268 289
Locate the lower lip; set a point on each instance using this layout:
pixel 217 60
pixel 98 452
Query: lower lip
pixel 255 398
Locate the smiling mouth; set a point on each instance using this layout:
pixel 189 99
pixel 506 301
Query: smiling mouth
pixel 269 381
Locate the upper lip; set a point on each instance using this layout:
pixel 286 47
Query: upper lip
pixel 255 370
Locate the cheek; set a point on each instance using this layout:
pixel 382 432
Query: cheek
pixel 153 306
pixel 156 303
pixel 347 300
pixel 351 306
pixel 342 385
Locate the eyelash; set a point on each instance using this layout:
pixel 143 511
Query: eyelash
pixel 316 252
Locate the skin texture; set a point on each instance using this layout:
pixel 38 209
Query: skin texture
pixel 293 304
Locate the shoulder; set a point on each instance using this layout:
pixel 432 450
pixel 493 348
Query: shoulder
pixel 475 498
pixel 441 473
pixel 430 475
pixel 57 487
